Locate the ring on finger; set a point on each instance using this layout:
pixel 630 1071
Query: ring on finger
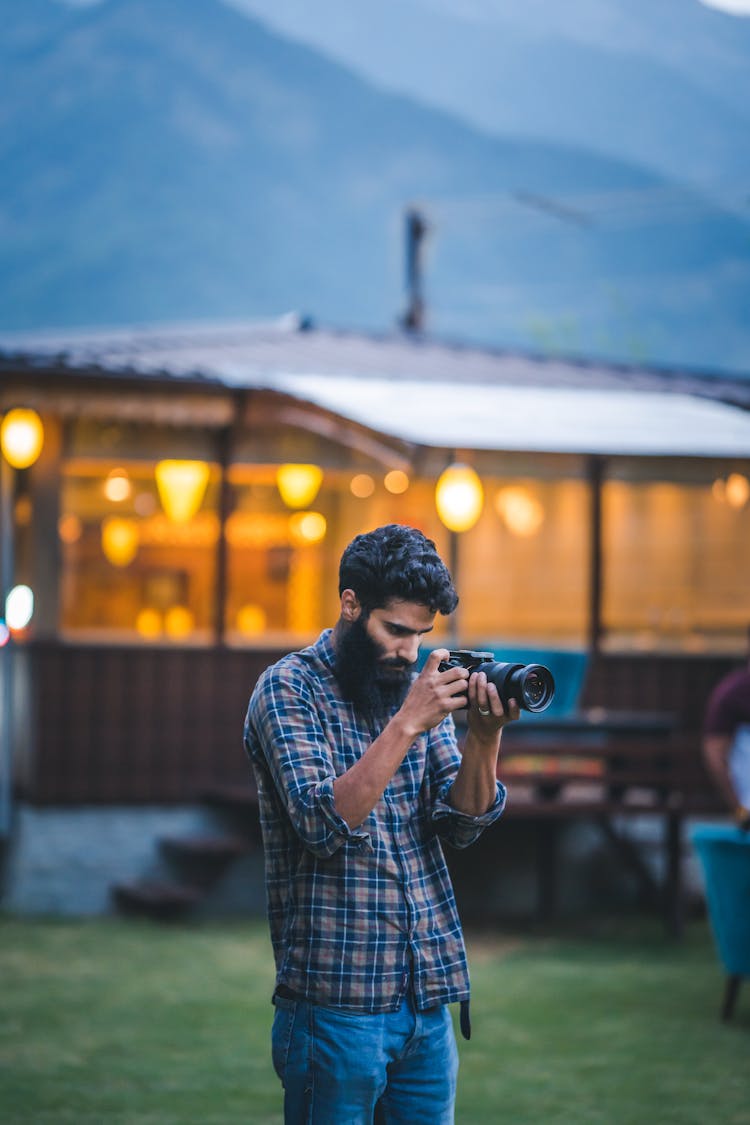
pixel 483 712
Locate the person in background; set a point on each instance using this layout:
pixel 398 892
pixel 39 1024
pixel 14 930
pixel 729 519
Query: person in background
pixel 726 741
pixel 359 780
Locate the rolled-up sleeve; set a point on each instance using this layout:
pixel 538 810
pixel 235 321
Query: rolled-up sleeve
pixel 455 827
pixel 283 725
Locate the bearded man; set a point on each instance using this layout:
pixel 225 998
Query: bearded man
pixel 359 780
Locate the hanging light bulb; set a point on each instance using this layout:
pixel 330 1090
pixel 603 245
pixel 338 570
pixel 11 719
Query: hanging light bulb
pixel 521 512
pixel 307 527
pixel 298 484
pixel 182 486
pixel 396 481
pixel 737 490
pixel 179 621
pixel 21 437
pixel 117 486
pixel 119 540
pixel 251 620
pixel 362 485
pixel 149 623
pixel 19 607
pixel 459 497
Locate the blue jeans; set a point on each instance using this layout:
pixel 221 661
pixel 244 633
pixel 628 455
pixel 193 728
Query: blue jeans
pixel 344 1068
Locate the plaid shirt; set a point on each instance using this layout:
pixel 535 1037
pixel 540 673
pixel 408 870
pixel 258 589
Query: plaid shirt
pixel 355 915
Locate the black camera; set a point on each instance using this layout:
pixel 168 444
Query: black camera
pixel 531 685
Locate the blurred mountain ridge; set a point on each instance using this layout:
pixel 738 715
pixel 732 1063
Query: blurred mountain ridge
pixel 176 160
pixel 663 84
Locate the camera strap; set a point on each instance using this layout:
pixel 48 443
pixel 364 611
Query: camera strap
pixel 465 1019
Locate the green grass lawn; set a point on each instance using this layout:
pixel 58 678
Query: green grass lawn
pixel 114 1021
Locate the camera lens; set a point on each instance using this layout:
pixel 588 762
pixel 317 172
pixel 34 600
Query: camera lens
pixel 537 688
pixel 533 689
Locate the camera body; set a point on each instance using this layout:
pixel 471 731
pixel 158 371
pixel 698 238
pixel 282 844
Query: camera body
pixel 531 685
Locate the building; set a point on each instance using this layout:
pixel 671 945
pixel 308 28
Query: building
pixel 171 558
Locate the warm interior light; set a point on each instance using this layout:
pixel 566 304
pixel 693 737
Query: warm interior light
pixel 362 485
pixel 148 623
pixel 719 490
pixel 19 607
pixel 119 540
pixel 182 486
pixel 459 497
pixel 251 620
pixel 307 527
pixel 396 481
pixel 737 490
pixel 117 486
pixel 521 512
pixel 24 511
pixel 69 528
pixel 145 504
pixel 179 621
pixel 21 437
pixel 298 484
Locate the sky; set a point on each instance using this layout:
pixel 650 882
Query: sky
pixel 479 9
pixel 734 7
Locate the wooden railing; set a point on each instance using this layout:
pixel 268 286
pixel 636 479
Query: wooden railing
pixel 147 724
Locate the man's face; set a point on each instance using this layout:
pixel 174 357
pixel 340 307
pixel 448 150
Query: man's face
pixel 396 631
pixel 376 652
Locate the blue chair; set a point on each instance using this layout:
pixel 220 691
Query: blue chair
pixel 724 853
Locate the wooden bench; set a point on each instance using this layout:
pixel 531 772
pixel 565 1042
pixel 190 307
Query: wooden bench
pixel 602 766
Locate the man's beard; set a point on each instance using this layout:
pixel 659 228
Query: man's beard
pixel 375 688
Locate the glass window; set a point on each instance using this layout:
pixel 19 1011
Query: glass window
pixel 138 532
pixel 283 561
pixel 523 573
pixel 676 549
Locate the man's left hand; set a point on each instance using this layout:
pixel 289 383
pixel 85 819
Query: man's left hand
pixel 486 714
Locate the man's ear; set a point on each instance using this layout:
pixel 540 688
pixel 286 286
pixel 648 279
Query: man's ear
pixel 350 606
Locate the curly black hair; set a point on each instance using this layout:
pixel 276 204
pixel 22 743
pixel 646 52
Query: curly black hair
pixel 400 562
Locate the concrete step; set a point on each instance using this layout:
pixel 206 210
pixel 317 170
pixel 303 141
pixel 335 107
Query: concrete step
pixel 160 900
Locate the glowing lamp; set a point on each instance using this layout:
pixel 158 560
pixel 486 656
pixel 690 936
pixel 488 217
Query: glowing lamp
pixel 251 620
pixel 362 485
pixel 19 607
pixel 459 497
pixel 119 540
pixel 21 437
pixel 298 484
pixel 396 481
pixel 179 621
pixel 307 527
pixel 148 623
pixel 521 512
pixel 737 490
pixel 117 486
pixel 182 486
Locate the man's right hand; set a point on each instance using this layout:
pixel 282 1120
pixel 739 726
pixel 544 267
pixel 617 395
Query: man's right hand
pixel 434 694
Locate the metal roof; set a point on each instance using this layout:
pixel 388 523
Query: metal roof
pixel 426 391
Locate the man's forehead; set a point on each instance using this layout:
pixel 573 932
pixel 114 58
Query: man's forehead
pixel 412 615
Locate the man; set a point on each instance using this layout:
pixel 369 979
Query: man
pixel 726 742
pixel 359 778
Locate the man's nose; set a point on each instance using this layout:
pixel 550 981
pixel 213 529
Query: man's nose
pixel 409 649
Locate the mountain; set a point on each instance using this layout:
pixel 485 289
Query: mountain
pixel 175 160
pixel 663 84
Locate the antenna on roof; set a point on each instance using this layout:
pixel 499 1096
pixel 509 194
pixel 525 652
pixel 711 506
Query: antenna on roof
pixel 416 229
